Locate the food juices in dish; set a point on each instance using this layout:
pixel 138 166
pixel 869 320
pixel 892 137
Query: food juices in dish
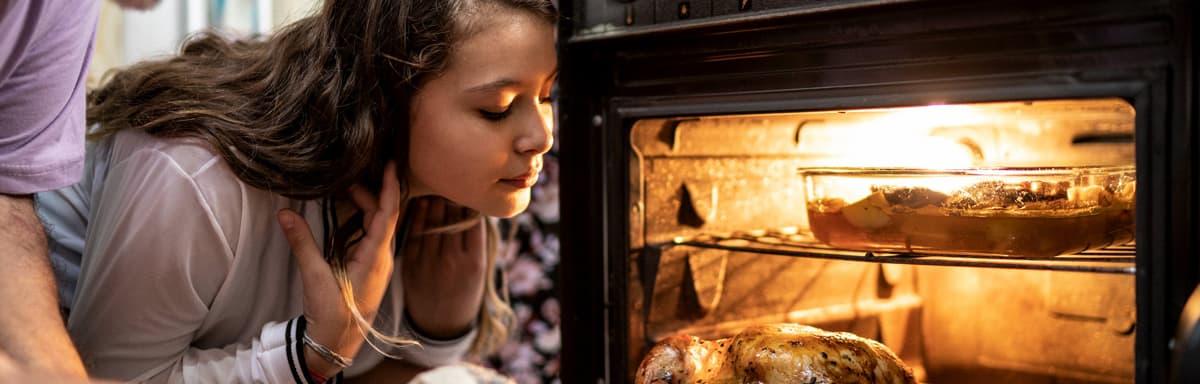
pixel 1033 212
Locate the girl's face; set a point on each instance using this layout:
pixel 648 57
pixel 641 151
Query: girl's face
pixel 480 128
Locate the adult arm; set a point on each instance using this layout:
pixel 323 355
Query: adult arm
pixel 31 329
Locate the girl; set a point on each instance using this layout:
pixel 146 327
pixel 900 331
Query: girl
pixel 239 219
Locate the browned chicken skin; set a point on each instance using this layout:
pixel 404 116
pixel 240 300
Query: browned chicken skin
pixel 773 354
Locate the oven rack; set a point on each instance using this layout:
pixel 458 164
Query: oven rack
pixel 1118 259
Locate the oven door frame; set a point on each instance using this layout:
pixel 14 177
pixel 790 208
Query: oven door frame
pixel 598 112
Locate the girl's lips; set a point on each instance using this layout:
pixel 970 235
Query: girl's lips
pixel 524 181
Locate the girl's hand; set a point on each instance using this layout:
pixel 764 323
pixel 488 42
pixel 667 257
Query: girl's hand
pixel 368 267
pixel 443 273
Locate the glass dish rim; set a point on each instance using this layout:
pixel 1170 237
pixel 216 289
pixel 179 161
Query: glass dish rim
pixel 982 171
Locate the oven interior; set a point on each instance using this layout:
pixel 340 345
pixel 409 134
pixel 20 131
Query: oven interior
pixel 721 240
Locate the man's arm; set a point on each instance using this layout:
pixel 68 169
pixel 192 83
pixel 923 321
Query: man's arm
pixel 31 329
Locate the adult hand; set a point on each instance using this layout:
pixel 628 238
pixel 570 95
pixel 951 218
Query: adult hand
pixel 368 268
pixel 443 272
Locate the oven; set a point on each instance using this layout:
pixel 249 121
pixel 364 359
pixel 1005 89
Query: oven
pixel 998 191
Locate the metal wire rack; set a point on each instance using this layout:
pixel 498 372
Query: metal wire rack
pixel 1117 259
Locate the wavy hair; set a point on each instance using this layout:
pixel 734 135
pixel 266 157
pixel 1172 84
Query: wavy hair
pixel 312 109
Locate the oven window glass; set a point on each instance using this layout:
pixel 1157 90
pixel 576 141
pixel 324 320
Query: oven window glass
pixel 984 242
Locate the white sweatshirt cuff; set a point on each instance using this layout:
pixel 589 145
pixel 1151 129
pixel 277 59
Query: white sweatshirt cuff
pixel 282 356
pixel 434 352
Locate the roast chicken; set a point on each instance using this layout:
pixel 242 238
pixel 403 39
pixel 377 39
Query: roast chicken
pixel 773 354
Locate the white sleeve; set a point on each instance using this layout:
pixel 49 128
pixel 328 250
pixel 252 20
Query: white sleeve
pixel 433 352
pixel 276 356
pixel 154 260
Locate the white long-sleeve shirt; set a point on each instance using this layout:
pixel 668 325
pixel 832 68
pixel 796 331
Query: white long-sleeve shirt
pixel 184 275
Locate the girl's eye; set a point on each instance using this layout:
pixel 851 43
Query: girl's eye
pixel 496 116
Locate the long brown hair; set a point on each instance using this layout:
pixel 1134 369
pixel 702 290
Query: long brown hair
pixel 312 109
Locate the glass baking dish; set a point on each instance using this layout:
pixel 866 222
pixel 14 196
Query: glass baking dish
pixel 1028 212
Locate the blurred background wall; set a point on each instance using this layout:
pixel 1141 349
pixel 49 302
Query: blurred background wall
pixel 126 36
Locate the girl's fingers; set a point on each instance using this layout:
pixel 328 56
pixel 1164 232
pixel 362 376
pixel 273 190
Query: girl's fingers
pixel 416 238
pixel 437 211
pixel 366 202
pixel 314 271
pixel 474 238
pixel 382 226
pixel 437 217
pixel 452 240
pixel 364 199
pixel 389 196
pixel 464 241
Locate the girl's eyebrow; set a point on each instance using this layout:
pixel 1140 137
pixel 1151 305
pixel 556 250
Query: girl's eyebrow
pixel 504 83
pixel 494 86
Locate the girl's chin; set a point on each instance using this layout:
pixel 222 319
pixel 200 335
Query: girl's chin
pixel 502 205
pixel 509 206
pixel 506 212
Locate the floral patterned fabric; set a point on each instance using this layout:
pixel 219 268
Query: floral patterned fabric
pixel 530 261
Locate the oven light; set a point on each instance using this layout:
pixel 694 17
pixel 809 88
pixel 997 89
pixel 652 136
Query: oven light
pixel 900 137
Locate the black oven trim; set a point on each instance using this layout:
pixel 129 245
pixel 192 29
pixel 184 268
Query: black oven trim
pixel 1032 88
pixel 597 115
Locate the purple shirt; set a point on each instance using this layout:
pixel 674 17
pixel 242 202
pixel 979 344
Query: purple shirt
pixel 45 48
